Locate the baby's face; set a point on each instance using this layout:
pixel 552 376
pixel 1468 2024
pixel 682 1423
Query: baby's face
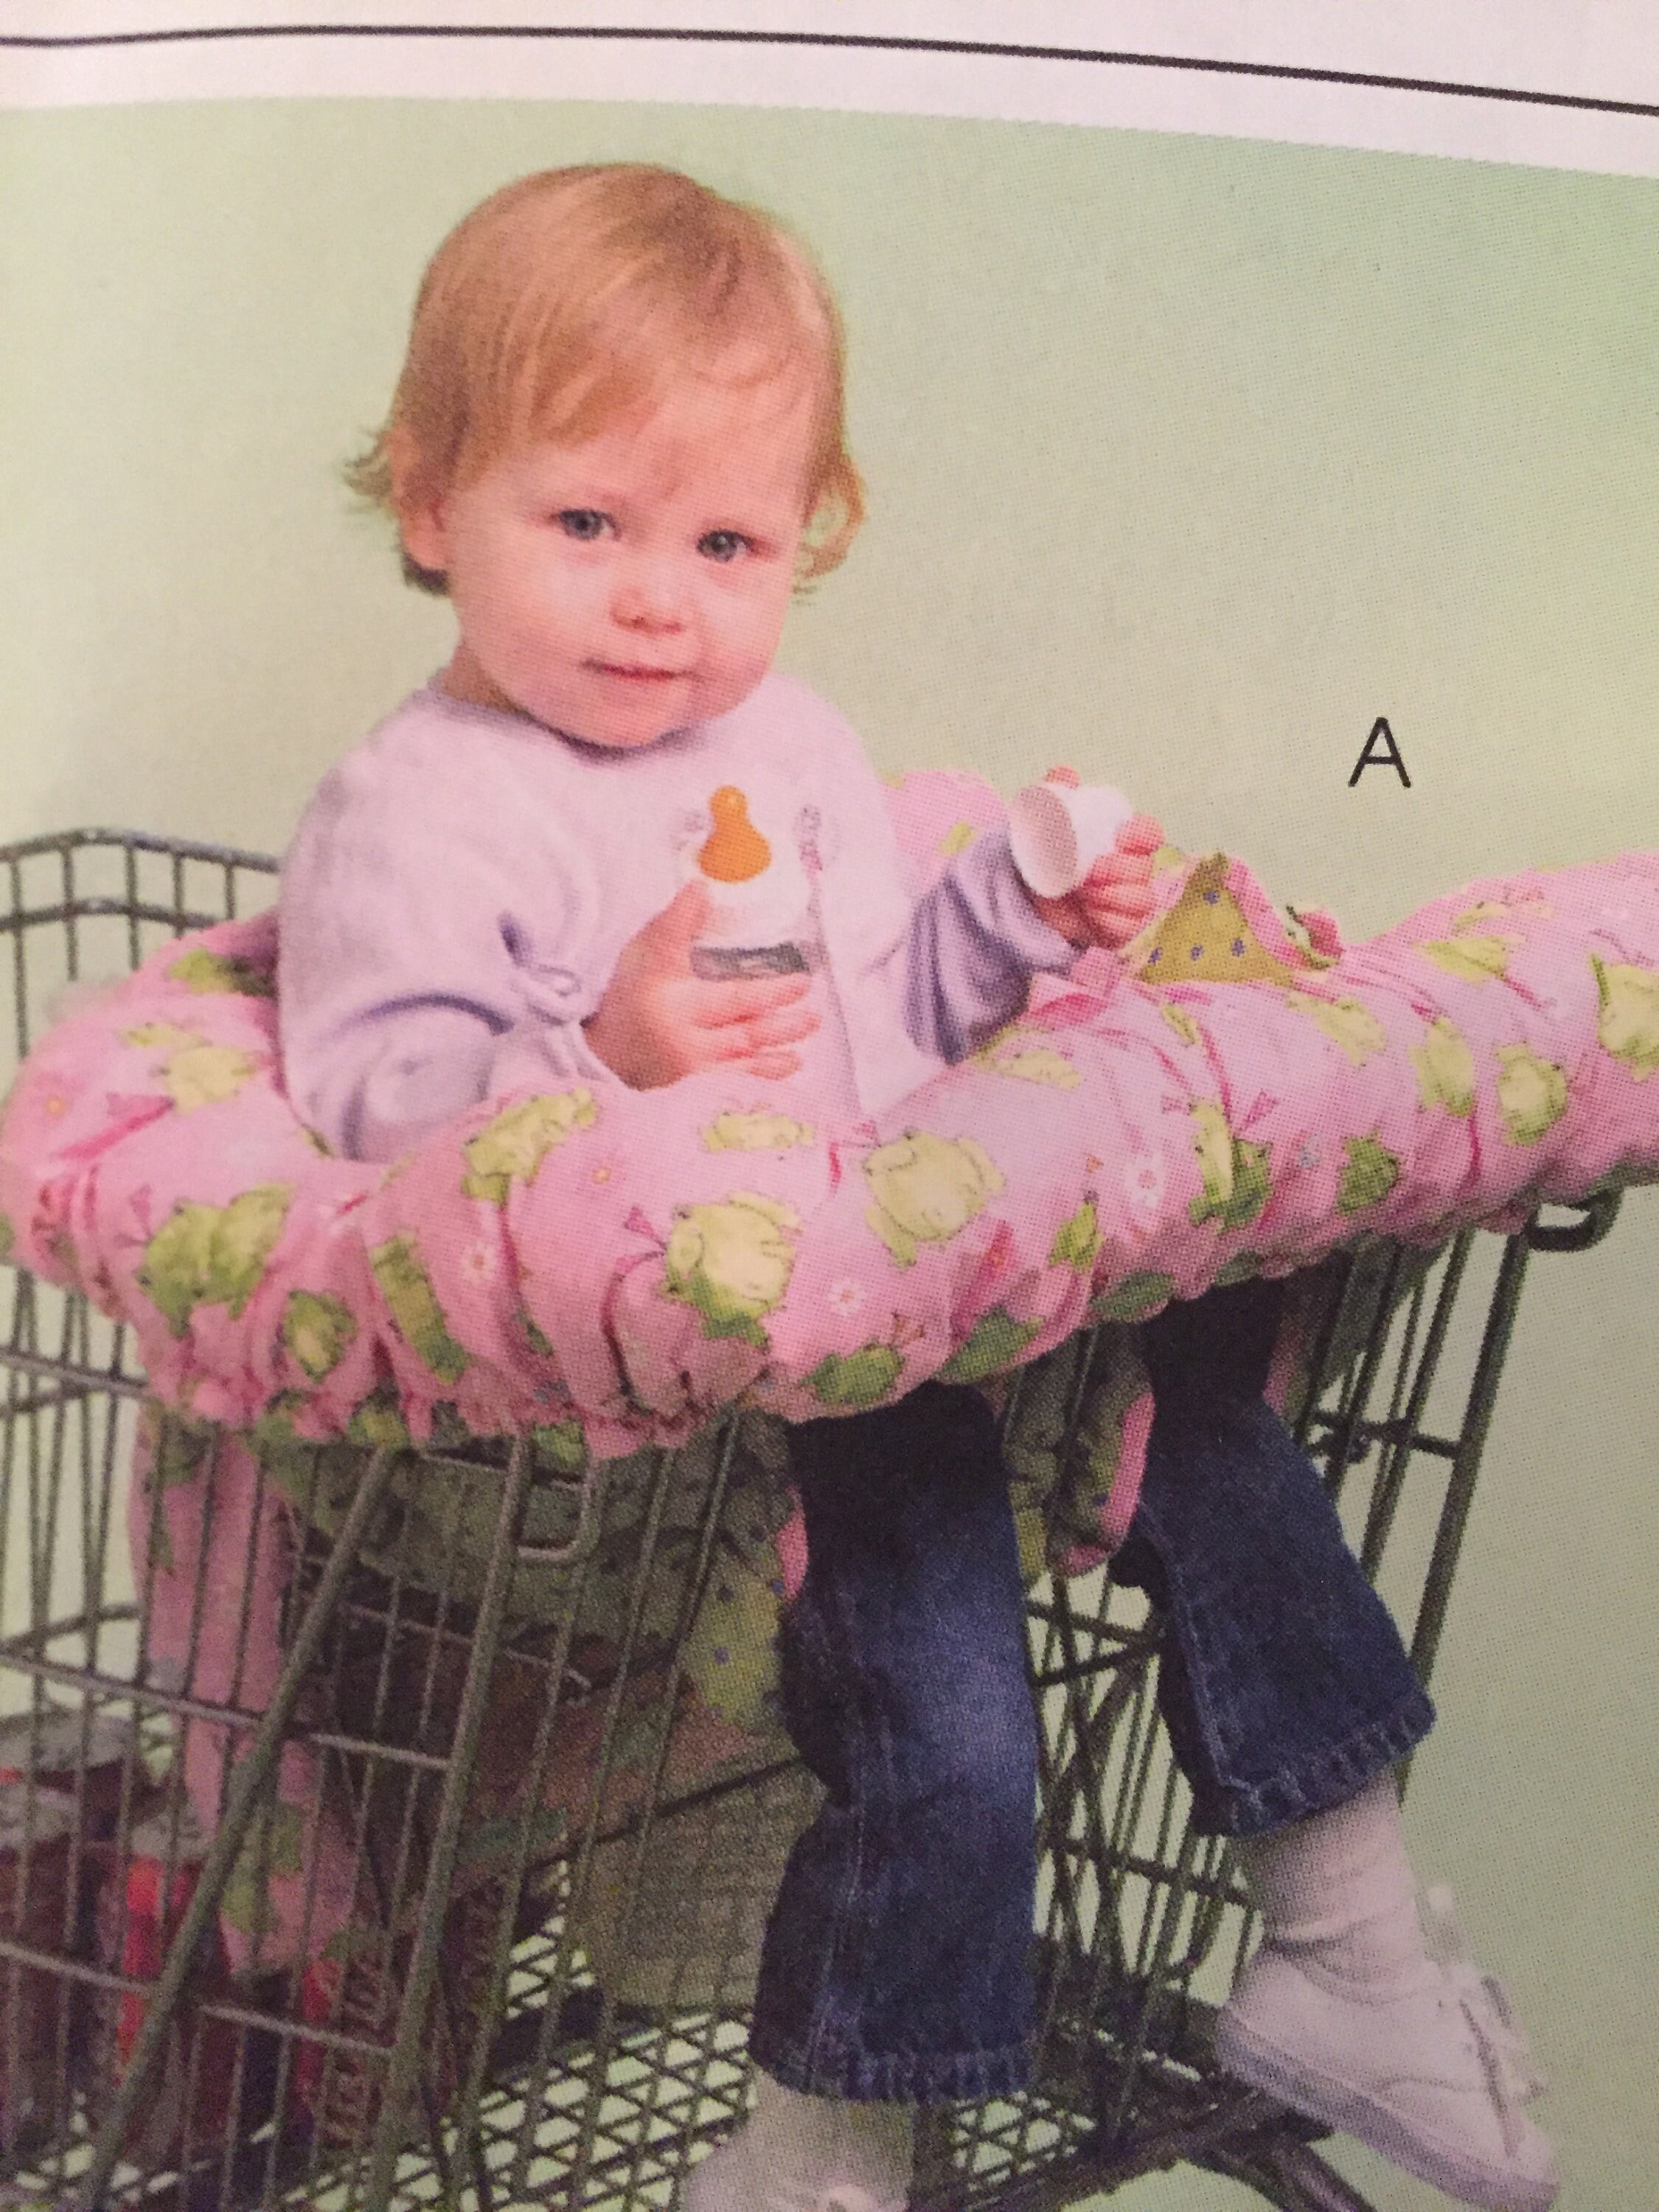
pixel 634 584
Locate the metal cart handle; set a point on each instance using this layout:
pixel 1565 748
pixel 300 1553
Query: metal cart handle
pixel 1597 1214
pixel 586 1529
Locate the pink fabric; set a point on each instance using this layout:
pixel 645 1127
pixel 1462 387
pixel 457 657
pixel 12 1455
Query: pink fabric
pixel 228 1651
pixel 791 1554
pixel 1125 1493
pixel 638 1264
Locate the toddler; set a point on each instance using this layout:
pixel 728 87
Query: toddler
pixel 616 446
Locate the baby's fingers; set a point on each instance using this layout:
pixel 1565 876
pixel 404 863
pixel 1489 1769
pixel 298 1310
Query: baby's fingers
pixel 722 1006
pixel 1118 868
pixel 1122 903
pixel 787 1026
pixel 1140 833
pixel 771 1067
pixel 1116 913
pixel 750 1033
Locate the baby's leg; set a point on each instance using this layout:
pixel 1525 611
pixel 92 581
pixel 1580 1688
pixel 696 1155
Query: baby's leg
pixel 1285 1683
pixel 1288 1696
pixel 896 1970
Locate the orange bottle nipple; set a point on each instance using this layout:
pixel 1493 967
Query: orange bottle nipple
pixel 734 851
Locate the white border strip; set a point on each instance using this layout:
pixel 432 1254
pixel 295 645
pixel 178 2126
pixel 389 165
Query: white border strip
pixel 1569 49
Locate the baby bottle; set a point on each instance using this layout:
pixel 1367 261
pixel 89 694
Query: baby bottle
pixel 760 900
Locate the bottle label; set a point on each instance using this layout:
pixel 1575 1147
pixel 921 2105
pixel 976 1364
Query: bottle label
pixel 723 963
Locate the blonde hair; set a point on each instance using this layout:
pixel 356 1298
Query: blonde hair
pixel 577 295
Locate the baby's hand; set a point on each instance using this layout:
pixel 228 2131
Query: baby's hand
pixel 1111 904
pixel 658 1021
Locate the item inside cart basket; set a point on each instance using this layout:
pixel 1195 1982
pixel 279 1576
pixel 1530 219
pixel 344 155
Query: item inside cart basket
pixel 668 1915
pixel 391 1685
pixel 37 1909
pixel 340 2085
pixel 212 2084
pixel 89 1758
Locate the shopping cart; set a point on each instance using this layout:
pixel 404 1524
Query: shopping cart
pixel 549 2007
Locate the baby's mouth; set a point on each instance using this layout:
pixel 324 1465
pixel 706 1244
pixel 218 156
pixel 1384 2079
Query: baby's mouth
pixel 636 673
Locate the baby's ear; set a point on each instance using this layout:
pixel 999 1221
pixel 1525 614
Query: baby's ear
pixel 417 504
pixel 425 540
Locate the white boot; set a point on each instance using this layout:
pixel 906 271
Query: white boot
pixel 798 2154
pixel 1350 2014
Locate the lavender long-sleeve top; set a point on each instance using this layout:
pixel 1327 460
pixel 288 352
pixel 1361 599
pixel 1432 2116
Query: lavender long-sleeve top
pixel 457 895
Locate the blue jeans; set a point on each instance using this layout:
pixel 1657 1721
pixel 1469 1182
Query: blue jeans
pixel 897 1962
pixel 1282 1678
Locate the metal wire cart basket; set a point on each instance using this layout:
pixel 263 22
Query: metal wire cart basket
pixel 550 2010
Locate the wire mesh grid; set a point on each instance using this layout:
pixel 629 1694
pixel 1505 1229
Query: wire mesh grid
pixel 544 1891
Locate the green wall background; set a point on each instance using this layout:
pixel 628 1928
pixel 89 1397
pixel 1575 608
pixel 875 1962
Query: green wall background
pixel 1188 459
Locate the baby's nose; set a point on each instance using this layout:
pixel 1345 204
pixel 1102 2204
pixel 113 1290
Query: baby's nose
pixel 649 596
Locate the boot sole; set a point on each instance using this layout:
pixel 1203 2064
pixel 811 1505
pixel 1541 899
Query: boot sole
pixel 1260 2065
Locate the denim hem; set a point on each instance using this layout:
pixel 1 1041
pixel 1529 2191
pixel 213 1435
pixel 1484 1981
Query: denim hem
pixel 1339 1771
pixel 899 2077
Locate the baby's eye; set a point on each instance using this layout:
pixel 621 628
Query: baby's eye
pixel 724 544
pixel 585 523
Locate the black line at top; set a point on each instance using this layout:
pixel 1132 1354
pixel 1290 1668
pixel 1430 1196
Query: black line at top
pixel 686 35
